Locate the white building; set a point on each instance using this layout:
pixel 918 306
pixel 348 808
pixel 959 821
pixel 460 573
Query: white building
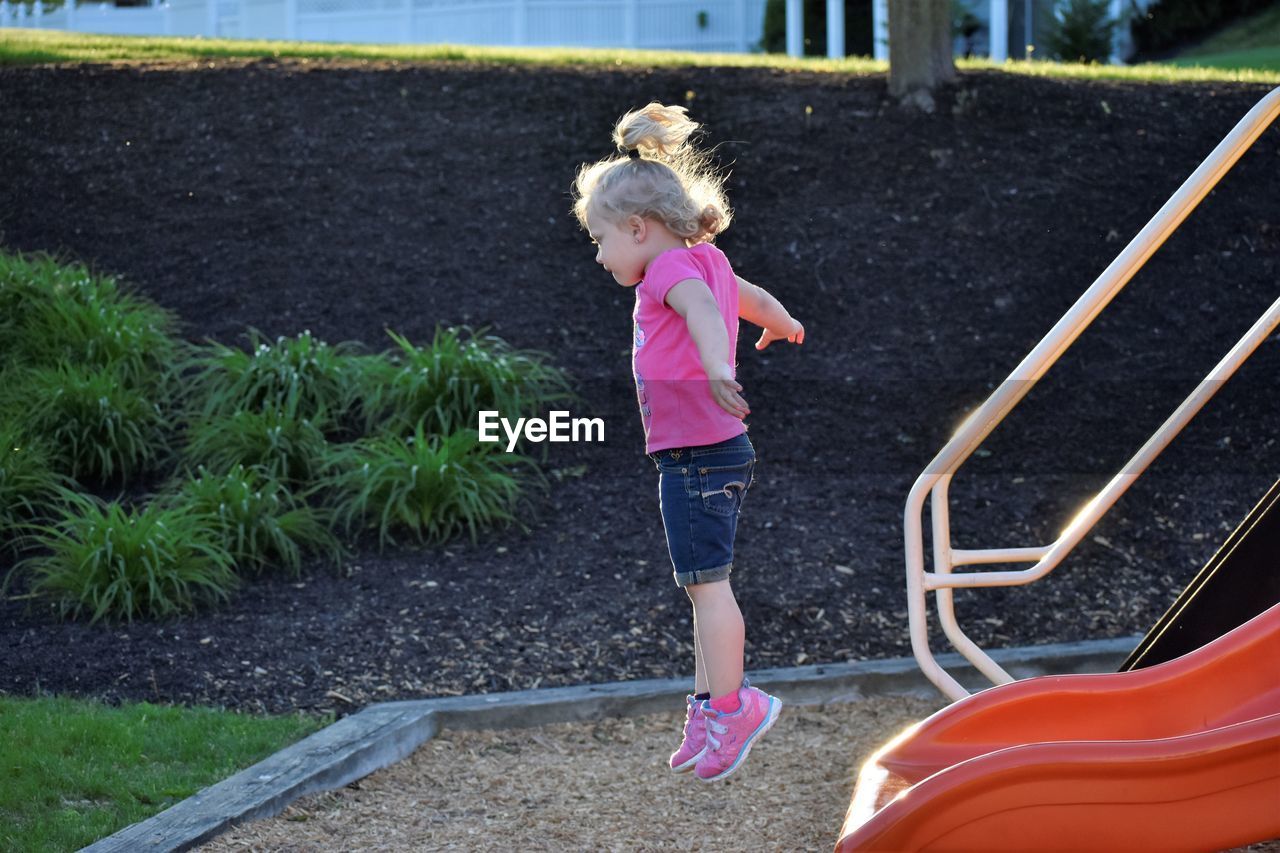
pixel 730 26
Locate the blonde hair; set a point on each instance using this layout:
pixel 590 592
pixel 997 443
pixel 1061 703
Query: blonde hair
pixel 670 180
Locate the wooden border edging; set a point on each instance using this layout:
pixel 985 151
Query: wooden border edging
pixel 385 733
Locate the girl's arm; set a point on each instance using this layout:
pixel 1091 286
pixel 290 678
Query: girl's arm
pixel 757 306
pixel 692 300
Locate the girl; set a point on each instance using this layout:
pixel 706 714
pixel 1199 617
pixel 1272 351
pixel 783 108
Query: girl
pixel 653 213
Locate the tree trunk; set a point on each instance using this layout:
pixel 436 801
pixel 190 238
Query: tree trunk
pixel 920 53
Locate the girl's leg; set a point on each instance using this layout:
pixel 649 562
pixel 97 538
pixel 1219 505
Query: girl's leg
pixel 700 683
pixel 719 636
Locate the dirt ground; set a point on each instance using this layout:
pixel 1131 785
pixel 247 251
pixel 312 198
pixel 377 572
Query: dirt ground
pixel 925 254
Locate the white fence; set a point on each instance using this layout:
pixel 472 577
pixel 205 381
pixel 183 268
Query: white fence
pixel 702 25
pixel 177 17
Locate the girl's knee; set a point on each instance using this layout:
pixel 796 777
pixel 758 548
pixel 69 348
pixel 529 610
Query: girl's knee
pixel 713 589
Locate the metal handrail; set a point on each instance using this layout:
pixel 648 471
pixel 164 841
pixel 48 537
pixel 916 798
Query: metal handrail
pixel 937 475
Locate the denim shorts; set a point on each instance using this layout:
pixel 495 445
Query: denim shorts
pixel 700 491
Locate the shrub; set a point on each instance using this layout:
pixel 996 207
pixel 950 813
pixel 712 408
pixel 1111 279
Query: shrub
pixel 445 384
pixel 28 486
pixel 97 425
pixel 302 374
pixel 432 486
pixel 1083 31
pixel 118 564
pixel 284 445
pixel 62 313
pixel 259 520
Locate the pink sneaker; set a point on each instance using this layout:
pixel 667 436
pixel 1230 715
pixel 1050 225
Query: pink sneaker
pixel 730 736
pixel 695 738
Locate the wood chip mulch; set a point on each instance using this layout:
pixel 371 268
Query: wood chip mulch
pixel 601 786
pixel 596 786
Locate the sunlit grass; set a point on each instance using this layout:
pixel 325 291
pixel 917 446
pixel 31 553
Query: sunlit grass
pixel 76 771
pixel 25 47
pixel 1143 73
pixel 21 46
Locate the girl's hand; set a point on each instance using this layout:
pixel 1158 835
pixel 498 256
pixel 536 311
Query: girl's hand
pixel 726 391
pixel 794 334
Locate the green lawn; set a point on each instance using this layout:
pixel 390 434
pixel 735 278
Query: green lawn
pixel 77 771
pixel 1258 58
pixel 27 47
pixel 22 47
pixel 1260 30
pixel 1251 43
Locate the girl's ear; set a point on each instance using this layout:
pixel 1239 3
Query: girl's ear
pixel 638 227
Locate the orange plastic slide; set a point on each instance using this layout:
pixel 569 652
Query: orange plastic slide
pixel 1180 756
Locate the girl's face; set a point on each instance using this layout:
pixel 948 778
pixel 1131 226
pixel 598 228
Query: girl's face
pixel 619 248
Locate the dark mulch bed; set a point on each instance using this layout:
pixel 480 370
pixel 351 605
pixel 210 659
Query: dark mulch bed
pixel 925 254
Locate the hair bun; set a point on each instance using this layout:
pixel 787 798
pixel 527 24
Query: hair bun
pixel 659 129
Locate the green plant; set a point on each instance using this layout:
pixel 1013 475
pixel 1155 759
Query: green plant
pixel 76 771
pixel 118 564
pixel 60 312
pixel 97 425
pixel 301 374
pixel 446 384
pixel 18 288
pixel 283 444
pixel 28 486
pixel 1083 31
pixel 433 486
pixel 259 519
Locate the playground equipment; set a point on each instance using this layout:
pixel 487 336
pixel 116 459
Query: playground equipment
pixel 1182 756
pixel 1181 750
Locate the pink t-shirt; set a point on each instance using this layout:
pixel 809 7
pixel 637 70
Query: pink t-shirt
pixel 676 405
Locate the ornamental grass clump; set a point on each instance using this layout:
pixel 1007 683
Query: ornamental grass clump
pixel 286 446
pixel 446 384
pixel 119 564
pixel 28 485
pixel 97 425
pixel 18 289
pixel 429 486
pixel 260 522
pixel 62 313
pixel 302 375
pixel 26 281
